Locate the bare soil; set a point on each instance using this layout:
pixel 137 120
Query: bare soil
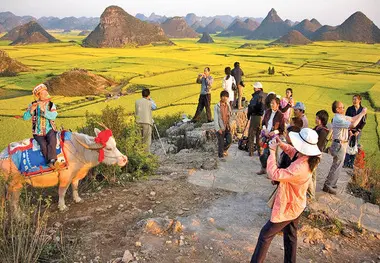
pixel 107 224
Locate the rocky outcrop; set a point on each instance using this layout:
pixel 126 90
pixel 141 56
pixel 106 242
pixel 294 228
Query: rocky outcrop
pixel 272 27
pixel 117 28
pixel 292 38
pixel 307 28
pixel 10 67
pixel 206 38
pixel 78 82
pixel 240 28
pixel 214 26
pixel 187 136
pixel 357 28
pixel 177 27
pixel 29 33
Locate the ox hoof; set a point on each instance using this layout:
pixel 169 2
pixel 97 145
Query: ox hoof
pixel 78 200
pixel 63 208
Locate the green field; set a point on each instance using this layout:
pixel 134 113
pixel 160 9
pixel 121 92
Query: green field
pixel 318 73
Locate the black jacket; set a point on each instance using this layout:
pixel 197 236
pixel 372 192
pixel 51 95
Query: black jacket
pixel 237 73
pixel 351 111
pixel 256 106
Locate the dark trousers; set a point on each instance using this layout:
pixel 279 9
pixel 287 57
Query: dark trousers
pixel 264 158
pixel 254 134
pixel 204 102
pixel 268 232
pixel 349 160
pixel 224 142
pixel 48 145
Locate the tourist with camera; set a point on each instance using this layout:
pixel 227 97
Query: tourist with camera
pixel 204 101
pixel 290 197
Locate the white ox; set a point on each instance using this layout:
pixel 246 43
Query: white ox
pixel 82 154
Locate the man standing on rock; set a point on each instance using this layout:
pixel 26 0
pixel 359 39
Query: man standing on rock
pixel 143 114
pixel 255 113
pixel 206 82
pixel 222 114
pixel 238 73
pixel 340 126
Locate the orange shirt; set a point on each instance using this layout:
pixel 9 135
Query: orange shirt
pixel 290 200
pixel 224 112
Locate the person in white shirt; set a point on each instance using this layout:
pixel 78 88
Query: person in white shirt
pixel 340 126
pixel 229 85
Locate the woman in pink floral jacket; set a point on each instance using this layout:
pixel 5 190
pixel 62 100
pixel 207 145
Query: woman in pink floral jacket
pixel 290 199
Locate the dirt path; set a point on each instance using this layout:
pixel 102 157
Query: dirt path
pixel 220 223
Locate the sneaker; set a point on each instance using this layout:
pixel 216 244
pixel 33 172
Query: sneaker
pixel 222 159
pixel 329 190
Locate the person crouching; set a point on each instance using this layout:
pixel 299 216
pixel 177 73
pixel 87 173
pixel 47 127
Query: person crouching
pixel 222 113
pixel 43 112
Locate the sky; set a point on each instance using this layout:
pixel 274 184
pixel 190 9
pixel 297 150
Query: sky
pixel 331 12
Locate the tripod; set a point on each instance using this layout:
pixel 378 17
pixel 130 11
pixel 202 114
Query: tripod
pixel 159 138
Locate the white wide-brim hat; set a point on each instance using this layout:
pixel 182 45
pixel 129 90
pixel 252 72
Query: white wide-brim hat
pixel 305 142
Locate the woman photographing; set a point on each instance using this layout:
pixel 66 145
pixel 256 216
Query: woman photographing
pixel 290 198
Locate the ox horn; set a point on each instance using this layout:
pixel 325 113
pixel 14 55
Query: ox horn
pixel 102 125
pixel 95 146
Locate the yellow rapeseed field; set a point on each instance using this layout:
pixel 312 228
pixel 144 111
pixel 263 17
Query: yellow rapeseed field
pixel 318 73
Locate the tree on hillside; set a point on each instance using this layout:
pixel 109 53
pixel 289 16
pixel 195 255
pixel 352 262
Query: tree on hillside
pixel 273 71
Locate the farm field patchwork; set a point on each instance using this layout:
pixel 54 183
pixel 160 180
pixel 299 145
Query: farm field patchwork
pixel 319 73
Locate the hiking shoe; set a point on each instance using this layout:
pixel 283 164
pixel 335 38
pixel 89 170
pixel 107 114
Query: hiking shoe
pixel 329 190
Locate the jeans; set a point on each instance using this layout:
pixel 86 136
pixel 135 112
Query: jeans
pixel 264 158
pixel 224 142
pixel 268 232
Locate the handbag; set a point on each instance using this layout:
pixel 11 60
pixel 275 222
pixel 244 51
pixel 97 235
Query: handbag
pixel 243 141
pixel 352 148
pixel 234 87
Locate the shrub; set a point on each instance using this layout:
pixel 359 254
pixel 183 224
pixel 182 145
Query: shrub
pixel 366 181
pixel 23 237
pixel 8 73
pixel 128 138
pixel 136 87
pixel 165 122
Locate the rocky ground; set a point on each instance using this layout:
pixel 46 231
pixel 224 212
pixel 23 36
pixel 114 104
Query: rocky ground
pixel 197 209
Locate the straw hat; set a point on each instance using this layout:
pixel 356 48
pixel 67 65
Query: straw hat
pixel 305 142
